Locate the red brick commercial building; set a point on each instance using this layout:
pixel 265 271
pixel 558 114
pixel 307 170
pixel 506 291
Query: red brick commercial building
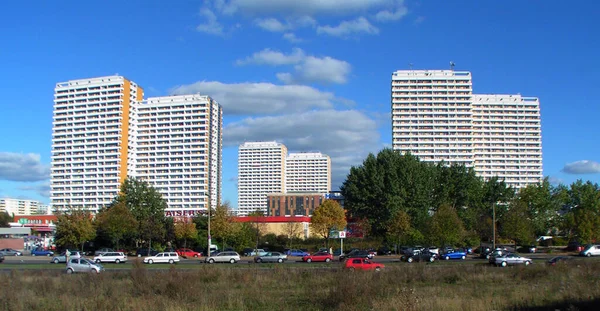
pixel 293 204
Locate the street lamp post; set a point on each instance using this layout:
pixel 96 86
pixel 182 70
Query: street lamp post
pixel 209 237
pixel 494 225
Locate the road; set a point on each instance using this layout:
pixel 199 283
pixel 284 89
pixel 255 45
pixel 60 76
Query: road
pixel 43 262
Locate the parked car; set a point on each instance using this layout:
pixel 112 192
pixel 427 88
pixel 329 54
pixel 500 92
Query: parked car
pixel 497 253
pixel 143 252
pixel 590 250
pixel 512 259
pixel 297 253
pixel 10 252
pixel 454 254
pixel 116 257
pixel 41 252
pixel 384 250
pixel 63 257
pixel 418 256
pixel 1 258
pixel 103 250
pixel 356 254
pixel 318 256
pixel 362 264
pixel 559 260
pixel 574 246
pixel 258 252
pixel 231 257
pixel 532 248
pixel 188 253
pixel 434 250
pixel 78 265
pixel 165 257
pixel 271 257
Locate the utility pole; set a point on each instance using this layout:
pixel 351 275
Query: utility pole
pixel 494 225
pixel 209 237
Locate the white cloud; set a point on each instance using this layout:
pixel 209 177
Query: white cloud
pixel 271 24
pixel 346 28
pixel 291 37
pixel 307 69
pixel 346 136
pixel 260 98
pixel 582 167
pixel 306 7
pixel 211 25
pixel 22 167
pixel 274 58
pixel 386 15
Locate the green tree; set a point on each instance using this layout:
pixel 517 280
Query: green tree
pixel 221 223
pixel 185 230
pixel 516 223
pixel 5 219
pixel 399 227
pixel 542 206
pixel 328 216
pixel 116 222
pixel 147 206
pixel 582 219
pixel 74 227
pixel 445 227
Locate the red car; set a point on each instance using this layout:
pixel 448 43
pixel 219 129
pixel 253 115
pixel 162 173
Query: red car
pixel 320 256
pixel 187 253
pixel 362 264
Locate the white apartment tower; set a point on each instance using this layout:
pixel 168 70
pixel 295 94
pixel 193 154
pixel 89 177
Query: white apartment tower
pixel 90 140
pixel 20 207
pixel 178 150
pixel 308 172
pixel 103 131
pixel 436 117
pixel 261 170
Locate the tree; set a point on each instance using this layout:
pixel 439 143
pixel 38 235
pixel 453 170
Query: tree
pixel 185 230
pixel 147 206
pixel 5 219
pixel 516 223
pixel 328 216
pixel 116 222
pixel 445 227
pixel 292 230
pixel 399 227
pixel 542 206
pixel 221 224
pixel 74 227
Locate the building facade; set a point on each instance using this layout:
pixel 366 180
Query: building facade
pixel 307 172
pixel 103 132
pixel 178 147
pixel 436 116
pixel 20 207
pixel 261 170
pixel 293 204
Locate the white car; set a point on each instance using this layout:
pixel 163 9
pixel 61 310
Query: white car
pixel 116 257
pixel 166 257
pixel 591 250
pixel 512 259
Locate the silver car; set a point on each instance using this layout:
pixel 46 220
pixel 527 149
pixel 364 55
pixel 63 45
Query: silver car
pixel 271 257
pixel 230 257
pixel 63 257
pixel 512 259
pixel 116 257
pixel 10 252
pixel 78 265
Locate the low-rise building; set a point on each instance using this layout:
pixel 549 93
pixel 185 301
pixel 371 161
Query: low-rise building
pixel 293 204
pixel 290 226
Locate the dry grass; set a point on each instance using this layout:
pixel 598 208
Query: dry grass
pixel 399 287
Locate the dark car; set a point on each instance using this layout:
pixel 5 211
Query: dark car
pixel 418 256
pixel 558 260
pixel 144 252
pixel 1 258
pixel 356 254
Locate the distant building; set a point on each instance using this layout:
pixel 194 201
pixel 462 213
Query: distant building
pixel 19 207
pixel 307 172
pixel 280 225
pixel 293 204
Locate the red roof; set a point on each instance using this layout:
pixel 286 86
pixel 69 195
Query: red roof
pixel 37 217
pixel 271 219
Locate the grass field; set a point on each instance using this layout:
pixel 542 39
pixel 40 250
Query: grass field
pixel 398 287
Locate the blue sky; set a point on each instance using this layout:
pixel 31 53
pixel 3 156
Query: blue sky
pixel 313 74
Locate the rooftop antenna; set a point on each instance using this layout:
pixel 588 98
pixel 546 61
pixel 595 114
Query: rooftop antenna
pixel 452 65
pixel 410 65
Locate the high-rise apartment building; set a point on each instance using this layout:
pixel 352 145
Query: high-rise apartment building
pixel 308 172
pixel 436 117
pixel 261 170
pixel 20 207
pixel 103 131
pixel 90 140
pixel 178 150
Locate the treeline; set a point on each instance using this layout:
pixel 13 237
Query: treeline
pixel 406 201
